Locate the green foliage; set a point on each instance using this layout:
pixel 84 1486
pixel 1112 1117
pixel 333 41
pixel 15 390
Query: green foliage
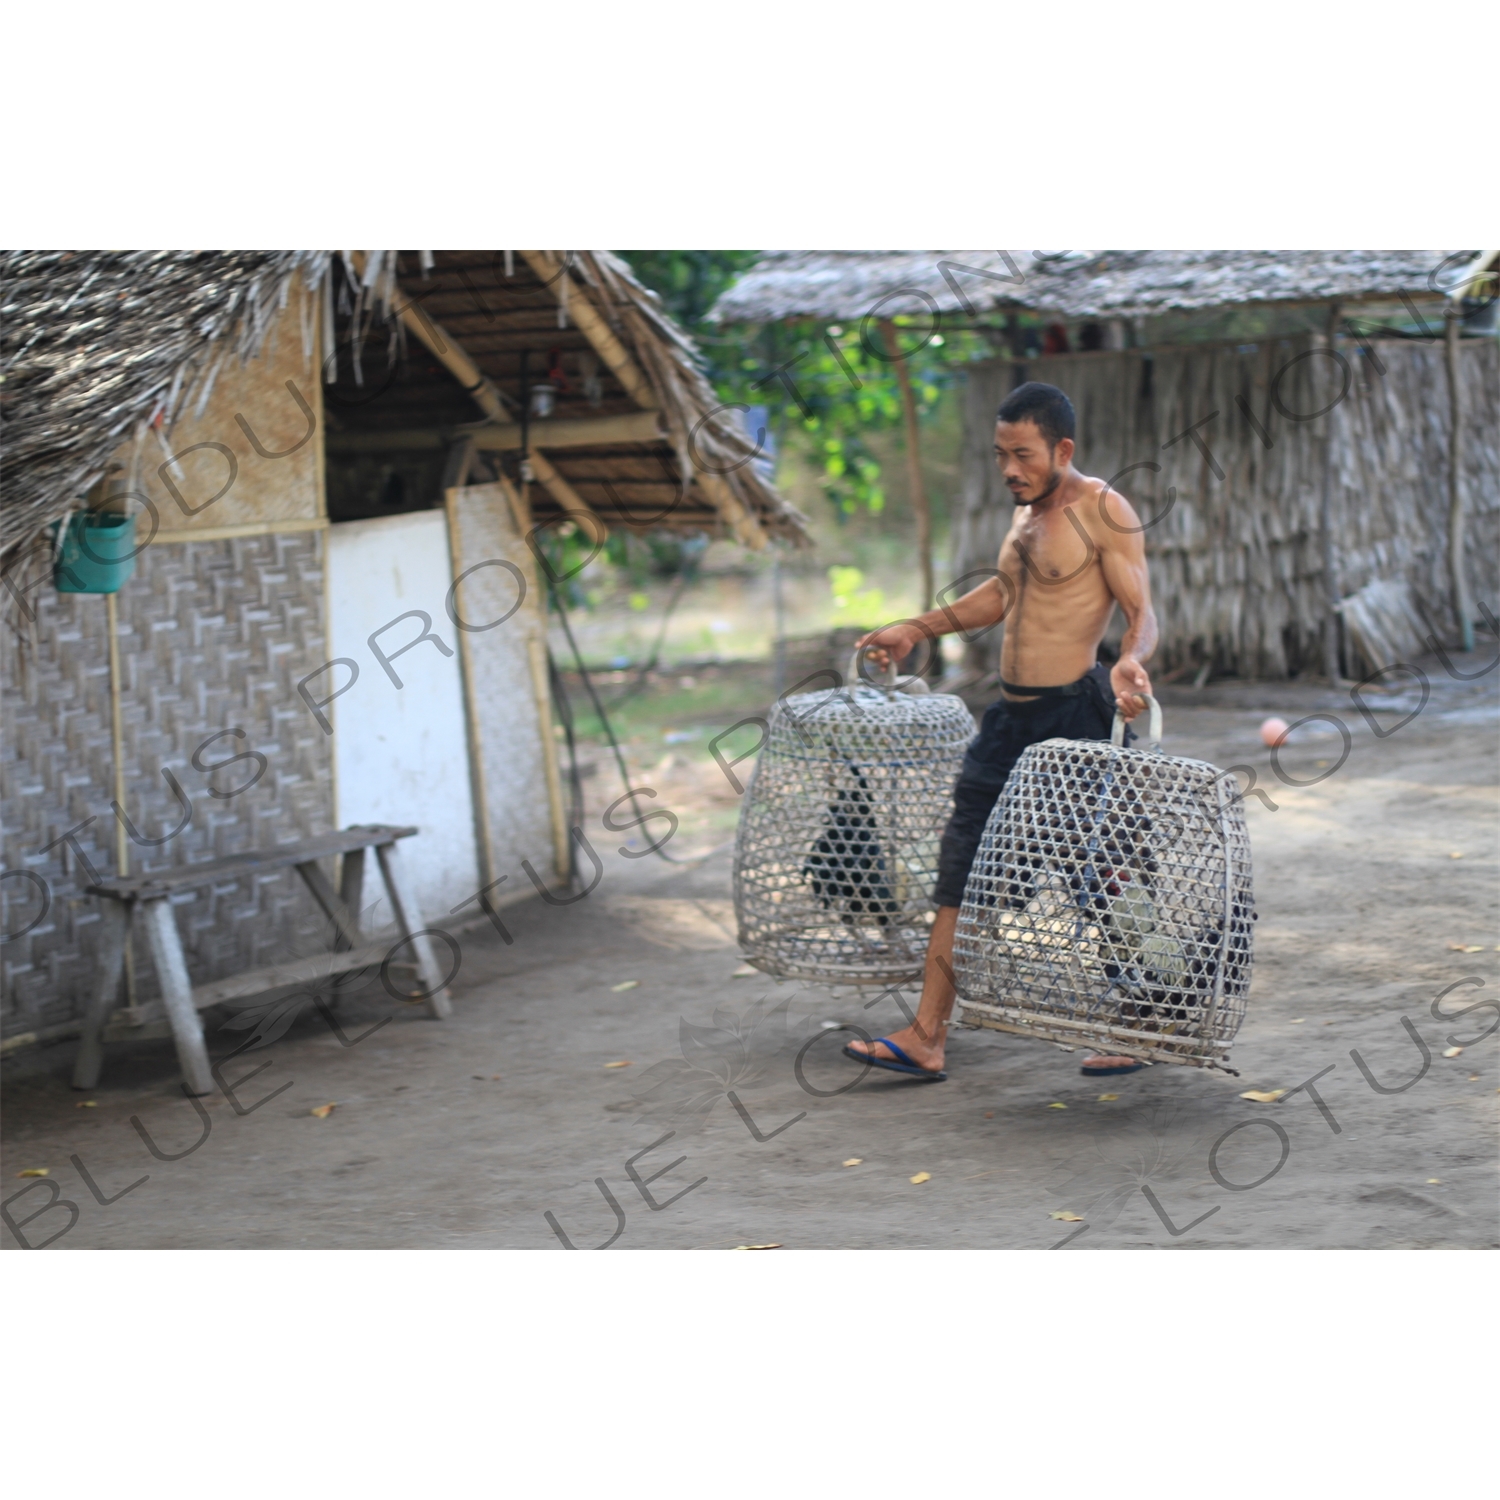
pixel 689 282
pixel 856 605
pixel 836 384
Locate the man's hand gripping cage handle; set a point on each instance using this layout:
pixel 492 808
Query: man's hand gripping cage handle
pixel 1153 734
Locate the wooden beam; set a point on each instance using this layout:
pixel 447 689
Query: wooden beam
pixel 741 523
pixel 592 325
pixel 448 352
pixel 566 496
pixel 580 432
pixel 456 466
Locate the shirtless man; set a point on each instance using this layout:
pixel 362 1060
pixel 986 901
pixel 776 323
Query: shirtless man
pixel 1073 552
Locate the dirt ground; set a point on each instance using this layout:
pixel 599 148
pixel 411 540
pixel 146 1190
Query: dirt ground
pixel 736 1121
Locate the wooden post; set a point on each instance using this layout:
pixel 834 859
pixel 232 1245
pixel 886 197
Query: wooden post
pixel 1331 588
pixel 1463 605
pixel 541 687
pixel 177 993
pixel 913 464
pixel 115 924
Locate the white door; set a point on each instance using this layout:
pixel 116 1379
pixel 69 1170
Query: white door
pixel 401 754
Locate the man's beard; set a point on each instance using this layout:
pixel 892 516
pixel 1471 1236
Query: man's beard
pixel 1051 485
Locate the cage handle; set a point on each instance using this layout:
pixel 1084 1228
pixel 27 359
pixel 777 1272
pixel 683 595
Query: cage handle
pixel 856 675
pixel 1153 734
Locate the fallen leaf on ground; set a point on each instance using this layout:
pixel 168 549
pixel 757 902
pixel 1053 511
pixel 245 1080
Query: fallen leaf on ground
pixel 1434 1182
pixel 1473 1077
pixel 479 1076
pixel 1056 1105
pixel 628 984
pixel 745 971
pixel 87 1104
pixel 854 1161
pixel 989 1114
pixel 757 1247
pixel 44 1172
pixel 921 1177
pixel 1067 1218
pixel 617 1065
pixel 1263 1096
pixel 1457 854
pixel 1107 1098
pixel 1299 1020
pixel 322 1111
pixel 1452 1051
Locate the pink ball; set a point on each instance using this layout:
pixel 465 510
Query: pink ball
pixel 1273 731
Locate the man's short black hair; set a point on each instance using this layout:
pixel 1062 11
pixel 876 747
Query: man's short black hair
pixel 1045 405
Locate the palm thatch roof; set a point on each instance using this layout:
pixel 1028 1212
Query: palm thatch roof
pixel 97 344
pixel 847 284
pixel 99 347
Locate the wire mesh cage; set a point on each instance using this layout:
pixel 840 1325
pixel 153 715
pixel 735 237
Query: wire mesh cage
pixel 1110 903
pixel 837 848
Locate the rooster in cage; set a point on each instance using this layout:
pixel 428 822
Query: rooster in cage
pixel 847 868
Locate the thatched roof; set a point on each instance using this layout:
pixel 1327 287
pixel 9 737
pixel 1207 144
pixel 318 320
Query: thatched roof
pixel 96 343
pixel 847 284
pixel 101 346
pixel 642 444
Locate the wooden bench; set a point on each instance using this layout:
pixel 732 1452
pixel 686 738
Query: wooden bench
pixel 146 899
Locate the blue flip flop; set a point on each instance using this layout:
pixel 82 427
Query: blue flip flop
pixel 906 1065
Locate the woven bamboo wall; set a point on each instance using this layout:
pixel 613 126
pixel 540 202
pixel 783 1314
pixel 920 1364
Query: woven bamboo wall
pixel 1236 564
pixel 213 635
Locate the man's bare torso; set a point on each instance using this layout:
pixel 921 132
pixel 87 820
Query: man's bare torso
pixel 1059 600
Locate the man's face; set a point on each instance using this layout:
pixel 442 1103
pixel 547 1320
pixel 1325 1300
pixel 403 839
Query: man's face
pixel 1031 467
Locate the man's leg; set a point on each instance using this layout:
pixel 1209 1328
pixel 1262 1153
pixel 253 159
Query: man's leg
pixel 923 1041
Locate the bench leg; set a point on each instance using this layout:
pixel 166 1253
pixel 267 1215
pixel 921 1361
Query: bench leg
pixel 90 1061
pixel 409 920
pixel 177 994
pixel 345 922
pixel 352 886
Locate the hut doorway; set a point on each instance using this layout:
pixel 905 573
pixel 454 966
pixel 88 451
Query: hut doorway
pixel 401 744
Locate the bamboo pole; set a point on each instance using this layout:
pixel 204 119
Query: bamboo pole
pixel 591 324
pixel 478 785
pixel 449 353
pixel 117 745
pixel 913 464
pixel 1463 605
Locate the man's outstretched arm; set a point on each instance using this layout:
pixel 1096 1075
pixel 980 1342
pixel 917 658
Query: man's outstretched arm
pixel 1122 556
pixel 980 607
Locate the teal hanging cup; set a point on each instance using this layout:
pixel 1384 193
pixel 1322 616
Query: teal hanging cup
pixel 98 553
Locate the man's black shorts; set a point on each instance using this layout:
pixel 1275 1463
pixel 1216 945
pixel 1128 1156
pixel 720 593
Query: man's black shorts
pixel 1005 731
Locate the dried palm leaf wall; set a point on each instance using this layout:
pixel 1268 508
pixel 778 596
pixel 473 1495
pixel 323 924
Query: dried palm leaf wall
pixel 1237 563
